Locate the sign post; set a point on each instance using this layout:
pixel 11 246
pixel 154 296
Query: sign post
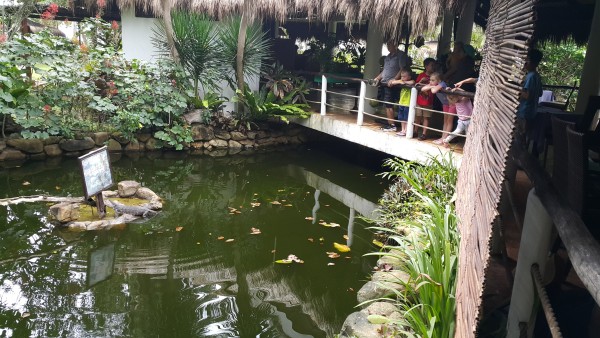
pixel 97 176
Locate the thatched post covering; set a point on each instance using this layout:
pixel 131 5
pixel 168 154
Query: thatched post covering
pixel 483 169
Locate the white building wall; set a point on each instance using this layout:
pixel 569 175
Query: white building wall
pixel 137 36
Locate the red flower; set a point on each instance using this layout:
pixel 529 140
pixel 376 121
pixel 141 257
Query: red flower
pixel 3 38
pixel 114 25
pixel 53 8
pixel 50 12
pixel 47 108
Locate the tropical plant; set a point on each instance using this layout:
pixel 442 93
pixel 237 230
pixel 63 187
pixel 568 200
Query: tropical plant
pixel 426 240
pixel 256 50
pixel 262 105
pixel 195 39
pixel 284 85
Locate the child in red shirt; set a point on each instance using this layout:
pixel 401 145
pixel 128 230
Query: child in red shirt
pixel 424 99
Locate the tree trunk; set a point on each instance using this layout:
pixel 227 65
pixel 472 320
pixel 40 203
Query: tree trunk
pixel 166 6
pixel 241 43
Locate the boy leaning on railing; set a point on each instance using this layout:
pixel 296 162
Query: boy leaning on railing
pixel 404 102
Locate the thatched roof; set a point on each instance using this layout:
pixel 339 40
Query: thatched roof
pixel 388 15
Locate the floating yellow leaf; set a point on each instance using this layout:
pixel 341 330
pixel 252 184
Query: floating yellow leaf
pixel 255 204
pixel 178 228
pixel 26 183
pixel 333 255
pixel 345 237
pixel 283 261
pixel 57 187
pixel 330 225
pixel 330 264
pixel 341 247
pixel 254 231
pixel 220 238
pixel 288 205
pixel 275 203
pixel 321 239
pixel 255 194
pixel 308 218
pixel 229 240
pixel 311 240
pixel 378 243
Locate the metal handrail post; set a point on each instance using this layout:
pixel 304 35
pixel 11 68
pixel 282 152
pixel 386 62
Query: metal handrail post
pixel 323 94
pixel 411 113
pixel 361 103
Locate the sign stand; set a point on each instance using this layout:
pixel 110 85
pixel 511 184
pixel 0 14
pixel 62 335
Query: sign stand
pixel 97 176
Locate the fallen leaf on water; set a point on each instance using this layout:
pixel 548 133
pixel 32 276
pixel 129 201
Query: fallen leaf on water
pixel 229 240
pixel 254 231
pixel 333 255
pixel 288 205
pixel 220 238
pixel 321 239
pixel 328 170
pixel 57 187
pixel 275 203
pixel 291 193
pixel 273 251
pixel 26 183
pixel 198 243
pixel 280 190
pixel 255 194
pixel 238 212
pixel 329 225
pixel 178 228
pixel 345 236
pixel 378 243
pixel 283 200
pixel 25 315
pixel 289 259
pixel 341 247
pixel 351 289
pixel 348 257
pixel 330 264
pixel 255 204
pixel 311 240
pixel 308 218
pixel 326 205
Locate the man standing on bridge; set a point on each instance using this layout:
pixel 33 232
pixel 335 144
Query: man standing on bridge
pixel 394 62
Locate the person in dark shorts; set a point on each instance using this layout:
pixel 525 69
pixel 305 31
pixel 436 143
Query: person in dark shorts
pixel 393 63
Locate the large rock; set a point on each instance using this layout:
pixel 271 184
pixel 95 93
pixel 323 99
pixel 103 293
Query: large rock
pixel 144 137
pixel 247 143
pixel 127 188
pixel 218 143
pixel 201 132
pixel 119 137
pixel 152 144
pixel 65 212
pixel 194 116
pixel 222 134
pixel 77 145
pixel 134 145
pixel 52 140
pixel 234 144
pixel 100 138
pixel 30 146
pixel 2 145
pixel 113 145
pixel 12 154
pixel 237 136
pixel 357 325
pixel 382 284
pixel 52 150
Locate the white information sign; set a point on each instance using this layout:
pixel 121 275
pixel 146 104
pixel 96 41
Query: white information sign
pixel 95 167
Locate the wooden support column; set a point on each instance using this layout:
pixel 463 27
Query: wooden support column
pixel 590 77
pixel 464 28
pixel 372 68
pixel 445 39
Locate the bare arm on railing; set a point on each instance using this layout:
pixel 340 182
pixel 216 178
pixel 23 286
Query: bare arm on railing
pixel 469 80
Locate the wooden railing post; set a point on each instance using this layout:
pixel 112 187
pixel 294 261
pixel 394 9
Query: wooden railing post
pixel 536 240
pixel 411 113
pixel 361 103
pixel 323 95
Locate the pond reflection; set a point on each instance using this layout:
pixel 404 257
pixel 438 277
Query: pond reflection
pixel 215 277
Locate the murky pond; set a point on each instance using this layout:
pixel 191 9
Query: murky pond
pixel 195 270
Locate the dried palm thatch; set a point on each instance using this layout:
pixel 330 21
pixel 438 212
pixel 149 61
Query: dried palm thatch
pixel 483 169
pixel 388 15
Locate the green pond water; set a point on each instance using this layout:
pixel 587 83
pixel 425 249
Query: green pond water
pixel 176 274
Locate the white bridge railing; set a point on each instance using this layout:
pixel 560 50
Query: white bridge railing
pixel 362 99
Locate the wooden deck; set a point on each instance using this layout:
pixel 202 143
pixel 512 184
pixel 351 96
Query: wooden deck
pixel 343 125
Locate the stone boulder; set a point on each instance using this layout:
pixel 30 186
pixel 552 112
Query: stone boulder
pixel 127 188
pixel 223 135
pixel 234 144
pixel 114 145
pixel 357 325
pixel 237 136
pixel 12 154
pixel 152 144
pixel 65 212
pixel 119 137
pixel 382 284
pixel 143 137
pixel 194 116
pixel 77 145
pixel 53 150
pixel 134 145
pixel 30 146
pixel 2 145
pixel 218 143
pixel 52 140
pixel 100 138
pixel 201 132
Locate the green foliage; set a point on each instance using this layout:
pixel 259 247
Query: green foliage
pixel 285 86
pixel 427 243
pixel 71 88
pixel 195 38
pixel 562 65
pixel 263 105
pixel 175 136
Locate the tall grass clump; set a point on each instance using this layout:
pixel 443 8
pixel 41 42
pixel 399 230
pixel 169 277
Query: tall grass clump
pixel 418 216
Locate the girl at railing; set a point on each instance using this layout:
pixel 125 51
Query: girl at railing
pixel 425 98
pixel 464 110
